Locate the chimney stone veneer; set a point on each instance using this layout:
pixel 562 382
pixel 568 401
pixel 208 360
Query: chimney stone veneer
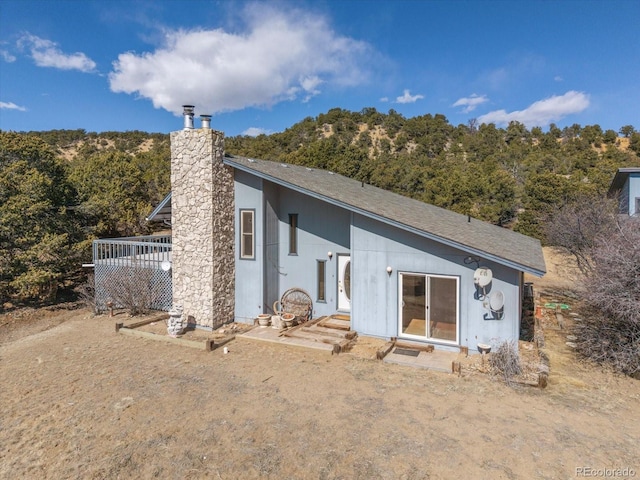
pixel 202 224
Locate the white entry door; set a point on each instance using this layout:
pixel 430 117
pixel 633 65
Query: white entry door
pixel 344 283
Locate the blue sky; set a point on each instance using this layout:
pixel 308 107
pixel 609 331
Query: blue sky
pixel 260 67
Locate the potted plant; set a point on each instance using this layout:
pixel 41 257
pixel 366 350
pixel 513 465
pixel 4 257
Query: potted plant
pixel 288 319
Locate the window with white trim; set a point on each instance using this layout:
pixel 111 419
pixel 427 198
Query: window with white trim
pixel 247 234
pixel 322 280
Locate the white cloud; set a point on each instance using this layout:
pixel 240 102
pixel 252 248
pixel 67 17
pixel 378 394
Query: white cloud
pixel 542 112
pixel 309 85
pixel 46 53
pixel 497 78
pixel 7 57
pixel 11 106
pixel 558 78
pixel 470 103
pixel 384 99
pixel 408 98
pixel 282 55
pixel 255 131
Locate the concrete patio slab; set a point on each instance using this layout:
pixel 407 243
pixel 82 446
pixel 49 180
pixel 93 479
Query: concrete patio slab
pixel 438 360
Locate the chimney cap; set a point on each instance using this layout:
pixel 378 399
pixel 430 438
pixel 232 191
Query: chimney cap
pixel 206 121
pixel 188 116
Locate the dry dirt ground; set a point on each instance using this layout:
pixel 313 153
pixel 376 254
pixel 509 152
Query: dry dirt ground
pixel 80 401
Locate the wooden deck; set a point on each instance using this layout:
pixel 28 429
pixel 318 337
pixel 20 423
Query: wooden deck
pixel 331 334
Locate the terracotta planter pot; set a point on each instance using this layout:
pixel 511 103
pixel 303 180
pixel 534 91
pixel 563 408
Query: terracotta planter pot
pixel 288 319
pixel 264 319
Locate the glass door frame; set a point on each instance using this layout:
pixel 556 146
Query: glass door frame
pixel 426 337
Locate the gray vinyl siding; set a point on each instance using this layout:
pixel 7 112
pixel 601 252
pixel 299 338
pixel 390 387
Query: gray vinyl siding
pixel 272 243
pixel 249 273
pixel 375 293
pixel 322 228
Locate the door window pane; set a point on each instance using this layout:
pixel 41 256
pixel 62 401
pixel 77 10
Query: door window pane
pixel 443 308
pixel 347 280
pixel 414 305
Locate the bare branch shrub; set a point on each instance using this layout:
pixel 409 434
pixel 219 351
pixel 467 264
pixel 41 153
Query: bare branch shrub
pixel 132 288
pixel 506 361
pixel 87 293
pixel 610 332
pixel 576 226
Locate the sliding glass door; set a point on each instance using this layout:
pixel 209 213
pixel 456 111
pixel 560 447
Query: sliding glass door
pixel 429 307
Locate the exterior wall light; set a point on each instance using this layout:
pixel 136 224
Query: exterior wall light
pixel 389 270
pixel 329 254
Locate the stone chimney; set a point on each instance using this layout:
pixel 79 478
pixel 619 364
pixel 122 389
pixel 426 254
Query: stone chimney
pixel 202 222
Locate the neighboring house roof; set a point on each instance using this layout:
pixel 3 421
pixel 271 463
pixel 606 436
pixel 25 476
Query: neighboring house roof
pixel 468 234
pixel 162 212
pixel 621 177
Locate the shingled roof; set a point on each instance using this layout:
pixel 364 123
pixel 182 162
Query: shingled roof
pixel 468 234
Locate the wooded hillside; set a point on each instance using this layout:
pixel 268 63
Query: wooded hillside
pixel 62 188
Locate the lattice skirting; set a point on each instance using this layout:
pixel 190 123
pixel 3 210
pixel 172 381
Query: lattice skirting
pixel 123 284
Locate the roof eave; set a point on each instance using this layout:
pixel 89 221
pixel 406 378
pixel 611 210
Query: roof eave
pixel 621 177
pixel 155 216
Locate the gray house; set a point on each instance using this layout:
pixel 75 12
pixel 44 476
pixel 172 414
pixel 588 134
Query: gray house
pixel 245 230
pixel 626 188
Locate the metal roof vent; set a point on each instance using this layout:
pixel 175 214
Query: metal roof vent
pixel 188 116
pixel 206 121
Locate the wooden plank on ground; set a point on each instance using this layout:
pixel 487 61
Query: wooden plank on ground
pixel 341 346
pixel 155 318
pixel 299 326
pixel 202 345
pixel 384 350
pixel 337 324
pixel 310 336
pixel 329 332
pixel 212 344
pixel 414 346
